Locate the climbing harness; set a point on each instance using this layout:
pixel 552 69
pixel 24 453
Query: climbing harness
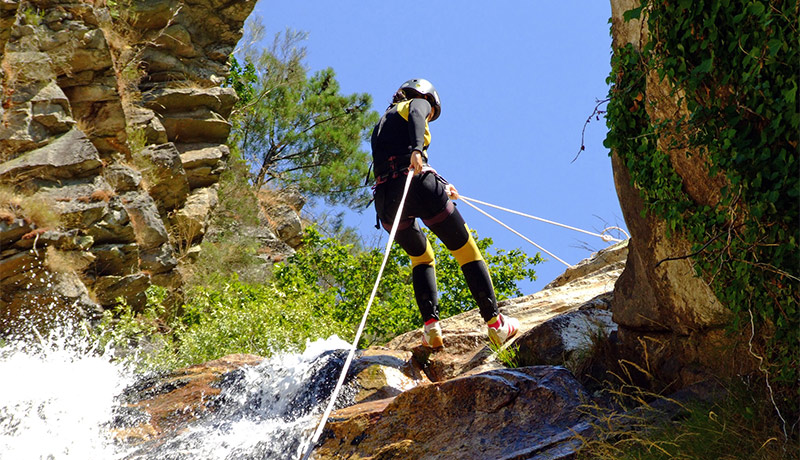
pixel 351 354
pixel 603 235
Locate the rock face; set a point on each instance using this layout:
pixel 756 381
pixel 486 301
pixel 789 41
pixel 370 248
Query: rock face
pixel 499 414
pixel 114 118
pixel 668 317
pixel 466 346
pixel 402 402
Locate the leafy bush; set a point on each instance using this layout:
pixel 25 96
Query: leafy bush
pixel 341 280
pixel 231 317
pixel 248 318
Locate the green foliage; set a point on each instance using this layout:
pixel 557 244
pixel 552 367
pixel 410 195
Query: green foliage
pixel 341 280
pixel 507 355
pixel 229 317
pixel 248 318
pixel 243 80
pixel 32 16
pixel 735 66
pixel 140 337
pixel 299 130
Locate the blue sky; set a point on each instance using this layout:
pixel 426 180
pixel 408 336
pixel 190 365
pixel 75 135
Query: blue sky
pixel 517 80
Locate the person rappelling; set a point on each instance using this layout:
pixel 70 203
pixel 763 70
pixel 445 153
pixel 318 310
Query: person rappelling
pixel 400 144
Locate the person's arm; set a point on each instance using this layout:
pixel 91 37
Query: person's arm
pixel 418 112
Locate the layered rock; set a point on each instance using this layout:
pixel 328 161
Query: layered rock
pixel 669 318
pixel 131 178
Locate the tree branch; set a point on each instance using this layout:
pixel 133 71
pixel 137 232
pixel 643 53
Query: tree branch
pixel 595 113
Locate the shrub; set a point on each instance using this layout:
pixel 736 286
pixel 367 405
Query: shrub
pixel 248 318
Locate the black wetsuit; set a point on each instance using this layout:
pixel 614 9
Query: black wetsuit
pixel 401 130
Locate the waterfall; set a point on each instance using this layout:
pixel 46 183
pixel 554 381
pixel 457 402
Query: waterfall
pixel 60 398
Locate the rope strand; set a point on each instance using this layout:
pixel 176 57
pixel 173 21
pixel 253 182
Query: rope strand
pixel 350 355
pixel 603 236
pixel 467 201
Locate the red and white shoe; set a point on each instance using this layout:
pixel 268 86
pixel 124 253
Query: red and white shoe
pixel 502 328
pixel 432 334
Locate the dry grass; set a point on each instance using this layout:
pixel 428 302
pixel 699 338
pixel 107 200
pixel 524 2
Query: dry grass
pixel 86 127
pixel 635 423
pixel 183 233
pixel 33 210
pixel 102 195
pixel 66 261
pixel 128 44
pixel 642 425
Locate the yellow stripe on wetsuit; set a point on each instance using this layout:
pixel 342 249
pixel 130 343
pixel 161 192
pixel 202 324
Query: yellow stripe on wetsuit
pixel 467 253
pixel 403 108
pixel 426 258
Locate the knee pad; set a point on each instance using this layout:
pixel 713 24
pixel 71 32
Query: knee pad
pixel 467 253
pixel 426 258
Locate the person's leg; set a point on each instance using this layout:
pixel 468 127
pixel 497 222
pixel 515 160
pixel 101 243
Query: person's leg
pixel 423 269
pixel 450 227
pixel 410 237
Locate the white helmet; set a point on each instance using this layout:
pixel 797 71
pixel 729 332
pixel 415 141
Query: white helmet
pixel 426 89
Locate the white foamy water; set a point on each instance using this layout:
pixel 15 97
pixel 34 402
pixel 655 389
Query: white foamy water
pixel 58 399
pixel 55 396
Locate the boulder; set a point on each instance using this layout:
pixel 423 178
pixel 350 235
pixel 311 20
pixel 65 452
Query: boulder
pixel 192 115
pixel 610 258
pixel 69 156
pixel 12 230
pixel 379 373
pixel 189 223
pixel 558 340
pixel 165 100
pixel 107 289
pixel 166 404
pixel 114 259
pixel 465 339
pixel 146 121
pixel 204 163
pixel 115 226
pixel 199 125
pixel 164 176
pixel 49 299
pixel 147 223
pixel 287 224
pixel 51 109
pixel 160 259
pixel 122 178
pixel 665 312
pixel 530 412
pixel 64 135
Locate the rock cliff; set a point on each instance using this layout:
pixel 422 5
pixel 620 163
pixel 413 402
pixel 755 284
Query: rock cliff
pixel 114 120
pixel 669 319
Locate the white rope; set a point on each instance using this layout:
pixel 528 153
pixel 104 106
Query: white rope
pixel 350 355
pixel 603 236
pixel 467 200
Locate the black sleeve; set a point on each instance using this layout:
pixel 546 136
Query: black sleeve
pixel 418 112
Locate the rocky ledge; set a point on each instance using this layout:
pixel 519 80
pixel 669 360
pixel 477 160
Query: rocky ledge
pixel 404 401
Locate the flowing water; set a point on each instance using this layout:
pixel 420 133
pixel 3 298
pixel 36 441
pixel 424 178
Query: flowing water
pixel 60 398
